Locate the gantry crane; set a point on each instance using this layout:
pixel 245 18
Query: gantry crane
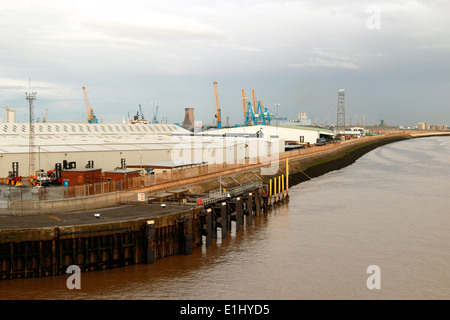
pixel 219 121
pixel 255 108
pixel 256 114
pixel 89 112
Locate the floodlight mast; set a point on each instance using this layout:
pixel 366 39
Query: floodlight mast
pixel 31 96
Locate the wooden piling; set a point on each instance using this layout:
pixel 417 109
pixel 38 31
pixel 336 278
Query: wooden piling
pixel 150 242
pixel 270 192
pixel 223 214
pixel 239 213
pixel 275 190
pixel 209 226
pixel 287 177
pixel 187 234
pixel 250 208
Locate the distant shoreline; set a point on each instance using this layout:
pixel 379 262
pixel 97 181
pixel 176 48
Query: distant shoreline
pixel 338 161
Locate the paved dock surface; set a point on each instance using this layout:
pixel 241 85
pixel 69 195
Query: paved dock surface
pixel 111 214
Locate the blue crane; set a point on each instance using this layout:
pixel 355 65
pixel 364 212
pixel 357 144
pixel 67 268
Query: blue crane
pixel 154 116
pixel 142 114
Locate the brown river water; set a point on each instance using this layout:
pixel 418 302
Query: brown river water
pixel 390 209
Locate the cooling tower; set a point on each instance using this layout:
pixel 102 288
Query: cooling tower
pixel 188 117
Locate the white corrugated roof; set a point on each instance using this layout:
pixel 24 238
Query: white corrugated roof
pixel 72 128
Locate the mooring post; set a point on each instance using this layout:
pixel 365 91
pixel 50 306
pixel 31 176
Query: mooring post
pixel 208 226
pixel 270 192
pixel 282 186
pixel 279 188
pixel 228 212
pixel 187 234
pixel 275 190
pixel 223 214
pixel 238 213
pixel 287 177
pixel 258 201
pixel 150 241
pixel 214 223
pixel 250 208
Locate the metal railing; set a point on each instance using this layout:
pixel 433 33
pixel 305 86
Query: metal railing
pixel 220 195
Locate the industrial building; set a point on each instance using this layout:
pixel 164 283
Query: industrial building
pixel 112 146
pixel 286 133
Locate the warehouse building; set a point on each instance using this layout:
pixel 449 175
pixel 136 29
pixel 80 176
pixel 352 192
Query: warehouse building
pixel 112 146
pixel 287 133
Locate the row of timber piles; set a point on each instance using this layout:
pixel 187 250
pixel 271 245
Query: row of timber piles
pixel 234 213
pixel 49 251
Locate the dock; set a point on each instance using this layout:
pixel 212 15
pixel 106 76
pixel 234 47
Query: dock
pixel 139 232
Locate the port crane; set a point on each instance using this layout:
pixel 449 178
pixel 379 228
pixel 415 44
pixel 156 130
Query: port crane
pixel 139 117
pixel 142 114
pixel 256 114
pixel 248 114
pixel 45 116
pixel 89 111
pixel 154 116
pixel 216 96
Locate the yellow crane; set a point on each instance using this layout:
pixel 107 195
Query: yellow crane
pixel 244 105
pixel 255 108
pixel 216 96
pixel 89 112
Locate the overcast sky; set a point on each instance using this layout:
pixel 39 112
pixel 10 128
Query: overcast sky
pixel 391 57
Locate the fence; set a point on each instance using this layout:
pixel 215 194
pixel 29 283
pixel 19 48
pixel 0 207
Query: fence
pixel 220 195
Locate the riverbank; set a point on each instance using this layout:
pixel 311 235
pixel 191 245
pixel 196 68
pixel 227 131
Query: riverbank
pixel 302 167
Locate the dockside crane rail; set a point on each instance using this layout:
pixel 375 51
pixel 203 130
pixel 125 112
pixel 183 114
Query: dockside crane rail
pixel 218 115
pixel 89 111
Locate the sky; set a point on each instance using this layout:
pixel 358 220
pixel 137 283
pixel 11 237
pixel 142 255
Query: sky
pixel 392 58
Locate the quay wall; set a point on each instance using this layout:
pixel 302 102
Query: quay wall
pixel 49 251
